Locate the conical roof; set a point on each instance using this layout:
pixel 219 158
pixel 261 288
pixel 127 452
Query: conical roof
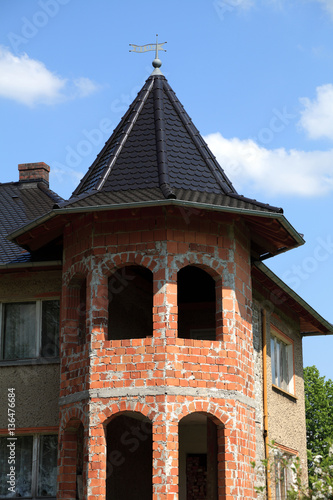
pixel 156 153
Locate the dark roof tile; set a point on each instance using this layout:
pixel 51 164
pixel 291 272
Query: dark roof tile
pixel 20 203
pixel 156 153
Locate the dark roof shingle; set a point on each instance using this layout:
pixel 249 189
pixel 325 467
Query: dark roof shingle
pixel 20 203
pixel 156 153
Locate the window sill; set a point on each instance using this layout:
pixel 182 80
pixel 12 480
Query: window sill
pixel 35 361
pixel 278 389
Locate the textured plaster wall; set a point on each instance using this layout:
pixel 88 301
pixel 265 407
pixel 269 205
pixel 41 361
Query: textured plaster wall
pixel 286 413
pixel 37 392
pixel 37 386
pixel 30 285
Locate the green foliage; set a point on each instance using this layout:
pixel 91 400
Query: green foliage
pixel 319 420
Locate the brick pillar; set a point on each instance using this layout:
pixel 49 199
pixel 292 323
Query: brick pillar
pixel 97 463
pixel 67 465
pixel 164 305
pixel 165 460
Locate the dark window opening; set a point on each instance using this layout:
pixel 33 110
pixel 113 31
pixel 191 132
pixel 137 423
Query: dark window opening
pixel 196 304
pixel 129 458
pixel 130 292
pixel 198 471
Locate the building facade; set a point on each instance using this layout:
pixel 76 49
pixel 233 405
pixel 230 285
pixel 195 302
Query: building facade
pixel 146 348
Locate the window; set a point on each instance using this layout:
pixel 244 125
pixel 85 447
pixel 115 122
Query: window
pixel 284 476
pixel 130 291
pixel 282 362
pixel 29 466
pixel 30 329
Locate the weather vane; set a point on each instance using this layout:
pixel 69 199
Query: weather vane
pixel 157 63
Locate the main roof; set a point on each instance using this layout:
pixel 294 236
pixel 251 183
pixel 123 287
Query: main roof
pixel 156 153
pixel 20 203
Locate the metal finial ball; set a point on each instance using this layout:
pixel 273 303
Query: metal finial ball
pixel 157 63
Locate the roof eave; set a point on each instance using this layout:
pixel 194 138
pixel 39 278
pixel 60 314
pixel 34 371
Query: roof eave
pixel 145 204
pixel 273 277
pixel 19 265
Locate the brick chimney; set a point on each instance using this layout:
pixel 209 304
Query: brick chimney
pixel 33 172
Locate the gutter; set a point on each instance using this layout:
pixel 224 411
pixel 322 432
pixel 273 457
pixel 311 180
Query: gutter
pixel 19 265
pixel 264 364
pixel 147 204
pixel 298 299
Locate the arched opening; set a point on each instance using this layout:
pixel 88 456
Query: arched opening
pixel 196 304
pixel 198 452
pixel 77 308
pixel 129 457
pixel 130 291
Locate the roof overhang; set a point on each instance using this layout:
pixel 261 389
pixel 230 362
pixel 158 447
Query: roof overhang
pixel 311 323
pixel 54 264
pixel 271 232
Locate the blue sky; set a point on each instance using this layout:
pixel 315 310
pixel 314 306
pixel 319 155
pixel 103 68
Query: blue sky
pixel 254 75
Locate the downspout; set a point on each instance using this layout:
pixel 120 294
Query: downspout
pixel 264 362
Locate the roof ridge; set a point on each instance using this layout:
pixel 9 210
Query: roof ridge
pixel 51 194
pixel 126 133
pixel 109 142
pixel 255 202
pixel 161 144
pixel 200 144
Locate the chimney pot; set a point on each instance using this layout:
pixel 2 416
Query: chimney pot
pixel 34 172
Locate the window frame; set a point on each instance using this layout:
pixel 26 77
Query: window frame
pixel 38 345
pixel 281 486
pixel 276 334
pixel 36 451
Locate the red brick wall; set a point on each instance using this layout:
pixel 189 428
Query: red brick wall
pixel 163 377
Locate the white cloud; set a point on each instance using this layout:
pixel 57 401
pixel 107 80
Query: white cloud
pixel 317 116
pixel 85 86
pixel 328 5
pixel 29 82
pixel 273 172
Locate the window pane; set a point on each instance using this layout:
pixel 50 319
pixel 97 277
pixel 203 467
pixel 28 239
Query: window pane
pixel 273 360
pixel 50 328
pixel 47 476
pixel 285 378
pixel 277 364
pixel 20 330
pixel 23 467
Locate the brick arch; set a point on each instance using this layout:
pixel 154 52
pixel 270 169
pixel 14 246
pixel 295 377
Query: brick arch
pixel 119 261
pixel 77 270
pixel 116 409
pixel 74 415
pixel 215 270
pixel 210 409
